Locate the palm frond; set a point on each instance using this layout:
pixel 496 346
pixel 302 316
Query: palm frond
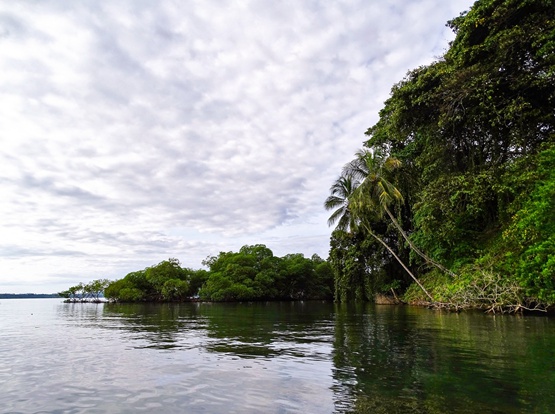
pixel 339 199
pixel 335 216
pixel 333 202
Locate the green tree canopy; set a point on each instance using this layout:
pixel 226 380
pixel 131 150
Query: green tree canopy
pixel 254 273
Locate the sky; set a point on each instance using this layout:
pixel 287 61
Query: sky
pixel 136 131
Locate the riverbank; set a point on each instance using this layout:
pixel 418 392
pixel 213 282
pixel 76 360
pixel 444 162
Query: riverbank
pixel 485 291
pixel 379 299
pixel 457 307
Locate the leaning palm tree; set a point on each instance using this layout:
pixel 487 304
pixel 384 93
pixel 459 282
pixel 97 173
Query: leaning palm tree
pixel 352 211
pixel 367 216
pixel 338 201
pixel 378 193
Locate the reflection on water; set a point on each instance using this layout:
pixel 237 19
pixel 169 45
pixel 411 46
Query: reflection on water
pixel 309 357
pixel 401 359
pixel 247 330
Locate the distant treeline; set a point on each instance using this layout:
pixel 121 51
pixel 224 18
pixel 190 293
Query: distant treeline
pixel 251 274
pixel 28 295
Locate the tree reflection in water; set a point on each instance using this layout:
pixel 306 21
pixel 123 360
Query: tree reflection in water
pixel 391 359
pixel 374 358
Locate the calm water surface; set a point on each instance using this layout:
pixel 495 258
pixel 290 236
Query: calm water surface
pixel 310 357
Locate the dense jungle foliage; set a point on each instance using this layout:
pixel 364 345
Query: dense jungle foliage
pixel 452 198
pixel 253 273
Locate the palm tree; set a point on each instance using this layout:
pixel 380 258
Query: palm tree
pixel 377 193
pixel 338 201
pixel 352 210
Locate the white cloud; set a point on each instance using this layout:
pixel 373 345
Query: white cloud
pixel 137 131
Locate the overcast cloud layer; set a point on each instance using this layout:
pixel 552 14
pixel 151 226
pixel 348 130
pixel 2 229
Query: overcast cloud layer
pixel 135 131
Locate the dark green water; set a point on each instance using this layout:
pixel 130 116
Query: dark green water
pixel 310 357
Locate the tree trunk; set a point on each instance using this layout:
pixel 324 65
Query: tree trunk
pixel 413 247
pixel 400 262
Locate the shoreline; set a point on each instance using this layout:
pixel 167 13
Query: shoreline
pixel 379 299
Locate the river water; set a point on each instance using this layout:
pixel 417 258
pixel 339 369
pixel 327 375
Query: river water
pixel 303 357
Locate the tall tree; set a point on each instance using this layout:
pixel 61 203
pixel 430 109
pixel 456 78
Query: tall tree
pixel 346 257
pixel 356 208
pixel 377 192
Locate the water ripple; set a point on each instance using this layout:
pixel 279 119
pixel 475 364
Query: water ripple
pixel 271 358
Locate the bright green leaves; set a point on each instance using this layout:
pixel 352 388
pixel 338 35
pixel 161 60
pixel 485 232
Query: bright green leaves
pixel 254 273
pixel 124 290
pixel 455 214
pixel 167 281
pixel 530 236
pixel 174 289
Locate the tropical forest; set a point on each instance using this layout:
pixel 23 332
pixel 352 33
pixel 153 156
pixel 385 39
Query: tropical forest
pixel 448 203
pixel 451 199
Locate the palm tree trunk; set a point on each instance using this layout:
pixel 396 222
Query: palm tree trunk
pixel 400 262
pixel 416 249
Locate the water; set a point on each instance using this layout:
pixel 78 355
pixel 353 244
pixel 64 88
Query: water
pixel 310 357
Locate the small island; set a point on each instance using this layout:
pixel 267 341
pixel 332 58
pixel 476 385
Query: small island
pixel 252 274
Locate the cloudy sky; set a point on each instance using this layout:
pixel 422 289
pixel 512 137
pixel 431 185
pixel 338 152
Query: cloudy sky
pixel 135 131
